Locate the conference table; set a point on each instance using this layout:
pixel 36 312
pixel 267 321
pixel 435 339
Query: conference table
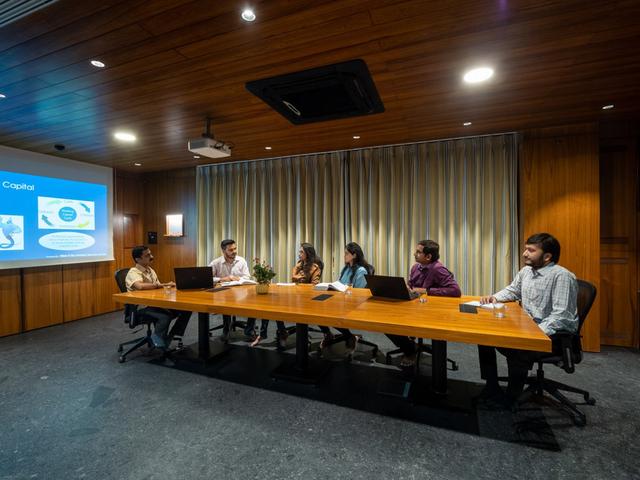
pixel 439 319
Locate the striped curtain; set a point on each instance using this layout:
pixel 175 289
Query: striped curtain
pixel 270 207
pixel 461 193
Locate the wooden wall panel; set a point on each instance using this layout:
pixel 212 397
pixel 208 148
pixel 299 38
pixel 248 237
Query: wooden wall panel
pixel 104 286
pixel 11 301
pixel 620 209
pixel 78 291
pixel 42 297
pixel 559 193
pixel 166 193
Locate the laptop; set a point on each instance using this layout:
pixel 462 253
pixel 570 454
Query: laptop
pixel 189 278
pixel 389 287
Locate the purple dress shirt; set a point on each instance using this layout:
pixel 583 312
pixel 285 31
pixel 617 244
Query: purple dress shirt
pixel 435 277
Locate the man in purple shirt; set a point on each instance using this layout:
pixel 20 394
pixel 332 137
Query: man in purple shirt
pixel 428 276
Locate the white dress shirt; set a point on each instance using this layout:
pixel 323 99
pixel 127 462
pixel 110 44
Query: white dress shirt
pixel 221 268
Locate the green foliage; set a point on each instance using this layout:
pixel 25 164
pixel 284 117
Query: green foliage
pixel 262 271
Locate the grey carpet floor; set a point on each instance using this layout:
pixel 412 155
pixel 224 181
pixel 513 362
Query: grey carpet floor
pixel 69 410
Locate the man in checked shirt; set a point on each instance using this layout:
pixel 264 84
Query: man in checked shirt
pixel 548 293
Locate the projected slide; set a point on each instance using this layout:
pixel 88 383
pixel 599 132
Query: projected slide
pixel 47 218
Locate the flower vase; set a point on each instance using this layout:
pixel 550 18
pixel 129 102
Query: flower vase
pixel 262 288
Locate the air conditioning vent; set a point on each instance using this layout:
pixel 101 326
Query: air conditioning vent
pixel 12 10
pixel 335 91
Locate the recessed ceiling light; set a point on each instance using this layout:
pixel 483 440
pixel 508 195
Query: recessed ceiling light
pixel 478 75
pixel 466 124
pixel 125 136
pixel 267 148
pixel 2 95
pixel 97 63
pixel 196 156
pixel 608 107
pixel 356 137
pixel 138 164
pixel 248 15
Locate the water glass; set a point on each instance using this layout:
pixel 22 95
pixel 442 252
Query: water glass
pixel 499 310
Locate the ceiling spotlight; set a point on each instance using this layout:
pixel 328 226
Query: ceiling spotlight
pixel 138 164
pixel 2 95
pixel 478 75
pixel 125 137
pixel 248 15
pixel 466 124
pixel 356 137
pixel 608 107
pixel 97 63
pixel 267 148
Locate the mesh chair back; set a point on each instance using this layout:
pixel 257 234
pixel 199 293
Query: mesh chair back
pixel 121 276
pixel 586 296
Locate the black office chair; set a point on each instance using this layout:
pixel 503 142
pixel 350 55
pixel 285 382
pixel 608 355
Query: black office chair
pixel 338 338
pixel 133 319
pixel 567 358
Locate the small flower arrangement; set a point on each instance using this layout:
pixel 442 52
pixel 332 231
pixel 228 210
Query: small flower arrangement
pixel 262 271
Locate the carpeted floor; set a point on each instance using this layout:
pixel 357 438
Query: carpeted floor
pixel 68 410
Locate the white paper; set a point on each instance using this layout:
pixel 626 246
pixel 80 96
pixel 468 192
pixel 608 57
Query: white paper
pixel 488 306
pixel 337 285
pixel 285 284
pixel 242 281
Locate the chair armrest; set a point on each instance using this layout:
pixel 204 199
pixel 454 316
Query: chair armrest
pixel 564 341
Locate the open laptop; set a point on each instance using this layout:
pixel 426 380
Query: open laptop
pixel 389 287
pixel 189 278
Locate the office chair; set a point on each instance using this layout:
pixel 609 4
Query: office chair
pixel 567 358
pixel 341 338
pixel 133 319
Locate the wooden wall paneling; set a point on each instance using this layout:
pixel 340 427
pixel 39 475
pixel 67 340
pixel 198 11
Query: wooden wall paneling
pixel 559 191
pixel 11 301
pixel 42 297
pixel 620 322
pixel 105 286
pixel 78 290
pixel 166 193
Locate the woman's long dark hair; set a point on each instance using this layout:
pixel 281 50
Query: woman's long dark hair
pixel 312 257
pixel 355 249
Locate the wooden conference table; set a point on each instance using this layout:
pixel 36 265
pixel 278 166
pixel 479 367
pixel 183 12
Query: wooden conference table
pixel 439 319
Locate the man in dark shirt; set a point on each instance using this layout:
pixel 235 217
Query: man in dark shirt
pixel 428 276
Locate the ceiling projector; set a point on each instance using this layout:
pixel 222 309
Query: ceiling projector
pixel 209 147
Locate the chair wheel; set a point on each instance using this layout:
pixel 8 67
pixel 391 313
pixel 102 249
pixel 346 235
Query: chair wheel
pixel 454 367
pixel 590 401
pixel 120 349
pixel 579 422
pixel 121 359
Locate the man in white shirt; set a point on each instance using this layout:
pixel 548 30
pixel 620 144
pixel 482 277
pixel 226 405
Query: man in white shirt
pixel 227 268
pixel 143 277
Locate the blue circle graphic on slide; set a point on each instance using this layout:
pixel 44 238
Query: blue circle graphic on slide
pixel 67 214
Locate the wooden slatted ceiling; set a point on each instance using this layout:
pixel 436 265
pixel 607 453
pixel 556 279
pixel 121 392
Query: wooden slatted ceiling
pixel 171 63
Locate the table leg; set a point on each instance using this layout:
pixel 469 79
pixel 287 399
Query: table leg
pixel 205 350
pixel 439 366
pixel 203 335
pixel 303 369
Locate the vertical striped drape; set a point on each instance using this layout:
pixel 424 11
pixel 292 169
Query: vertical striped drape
pixel 461 193
pixel 270 207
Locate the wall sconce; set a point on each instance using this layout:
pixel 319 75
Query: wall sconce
pixel 174 226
